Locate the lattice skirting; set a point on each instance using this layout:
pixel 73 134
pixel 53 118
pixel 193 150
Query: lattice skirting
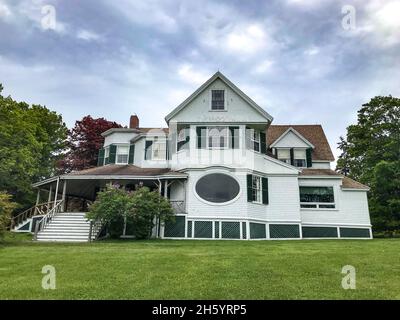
pixel 183 227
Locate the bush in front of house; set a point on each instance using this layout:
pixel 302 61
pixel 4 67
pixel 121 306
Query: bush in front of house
pixel 6 209
pixel 139 208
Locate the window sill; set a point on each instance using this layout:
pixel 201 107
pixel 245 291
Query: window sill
pixel 319 209
pixel 258 203
pixel 222 110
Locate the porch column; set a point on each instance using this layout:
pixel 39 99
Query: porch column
pixel 50 194
pixel 56 193
pixel 38 197
pixel 165 188
pixel 63 195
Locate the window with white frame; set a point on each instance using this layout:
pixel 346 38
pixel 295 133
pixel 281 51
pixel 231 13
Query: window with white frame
pixel 299 158
pixel 159 149
pixel 106 154
pixel 317 198
pixel 257 191
pixel 284 155
pixel 255 140
pixel 217 137
pixel 217 99
pixel 122 154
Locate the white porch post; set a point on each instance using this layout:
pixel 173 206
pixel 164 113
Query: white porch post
pixel 38 197
pixel 50 194
pixel 165 188
pixel 63 194
pixel 56 193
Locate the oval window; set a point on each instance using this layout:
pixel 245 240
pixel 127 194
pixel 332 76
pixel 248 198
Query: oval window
pixel 217 188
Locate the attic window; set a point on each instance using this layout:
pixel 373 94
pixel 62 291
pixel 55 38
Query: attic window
pixel 217 100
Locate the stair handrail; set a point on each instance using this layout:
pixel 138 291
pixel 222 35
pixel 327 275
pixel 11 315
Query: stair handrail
pixel 42 223
pixel 41 208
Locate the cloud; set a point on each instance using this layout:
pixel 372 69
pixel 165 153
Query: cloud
pixel 263 67
pixel 190 74
pixel 88 35
pixel 5 11
pixel 248 40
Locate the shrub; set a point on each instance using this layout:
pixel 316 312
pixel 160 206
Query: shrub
pixel 140 208
pixel 6 209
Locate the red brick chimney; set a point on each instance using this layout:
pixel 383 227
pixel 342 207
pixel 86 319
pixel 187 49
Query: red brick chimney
pixel 134 122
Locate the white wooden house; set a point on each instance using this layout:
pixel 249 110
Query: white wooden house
pixel 229 173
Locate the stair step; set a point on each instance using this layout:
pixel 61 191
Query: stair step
pixel 62 240
pixel 63 236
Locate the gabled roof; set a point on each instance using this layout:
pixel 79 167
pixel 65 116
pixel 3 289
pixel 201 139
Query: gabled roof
pixel 296 134
pixel 313 133
pixel 134 130
pixel 219 75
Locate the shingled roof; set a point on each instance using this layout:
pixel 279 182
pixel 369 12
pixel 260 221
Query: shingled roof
pixel 125 170
pixel 313 133
pixel 347 183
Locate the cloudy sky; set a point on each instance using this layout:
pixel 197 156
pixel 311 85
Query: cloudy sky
pixel 304 61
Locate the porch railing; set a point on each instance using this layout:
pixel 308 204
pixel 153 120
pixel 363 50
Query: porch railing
pixel 42 223
pixel 178 206
pixel 40 209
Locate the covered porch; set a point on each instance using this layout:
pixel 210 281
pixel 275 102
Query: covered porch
pixel 78 190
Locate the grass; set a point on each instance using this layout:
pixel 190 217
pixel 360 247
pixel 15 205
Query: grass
pixel 168 269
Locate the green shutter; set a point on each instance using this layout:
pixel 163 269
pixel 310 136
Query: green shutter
pixel 131 158
pixel 249 188
pixel 263 142
pixel 292 156
pixel 113 153
pixel 201 138
pixel 309 157
pixel 264 186
pixel 147 151
pixel 100 157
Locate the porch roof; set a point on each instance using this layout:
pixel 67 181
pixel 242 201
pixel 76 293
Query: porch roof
pixel 116 172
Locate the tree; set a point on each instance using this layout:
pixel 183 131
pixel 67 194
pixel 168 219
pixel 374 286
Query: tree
pixel 371 155
pixel 31 141
pixel 114 207
pixel 6 209
pixel 84 142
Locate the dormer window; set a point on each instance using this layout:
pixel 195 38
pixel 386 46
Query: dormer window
pixel 217 100
pixel 300 159
pixel 284 155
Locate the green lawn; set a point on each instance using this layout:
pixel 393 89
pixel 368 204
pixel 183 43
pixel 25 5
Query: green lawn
pixel 166 269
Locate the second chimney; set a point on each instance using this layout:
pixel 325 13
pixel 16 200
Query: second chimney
pixel 134 122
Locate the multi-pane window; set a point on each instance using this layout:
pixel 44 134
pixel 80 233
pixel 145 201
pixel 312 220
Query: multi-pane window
pixel 122 154
pixel 256 186
pixel 159 149
pixel 317 197
pixel 255 140
pixel 183 139
pixel 217 137
pixel 284 155
pixel 300 159
pixel 217 99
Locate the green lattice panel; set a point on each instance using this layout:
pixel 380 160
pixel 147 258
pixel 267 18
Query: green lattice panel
pixel 216 229
pixel 189 229
pixel 230 230
pixel 284 231
pixel 203 229
pixel 175 229
pixel 257 231
pixel 244 230
pixel 319 232
pixel 354 233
